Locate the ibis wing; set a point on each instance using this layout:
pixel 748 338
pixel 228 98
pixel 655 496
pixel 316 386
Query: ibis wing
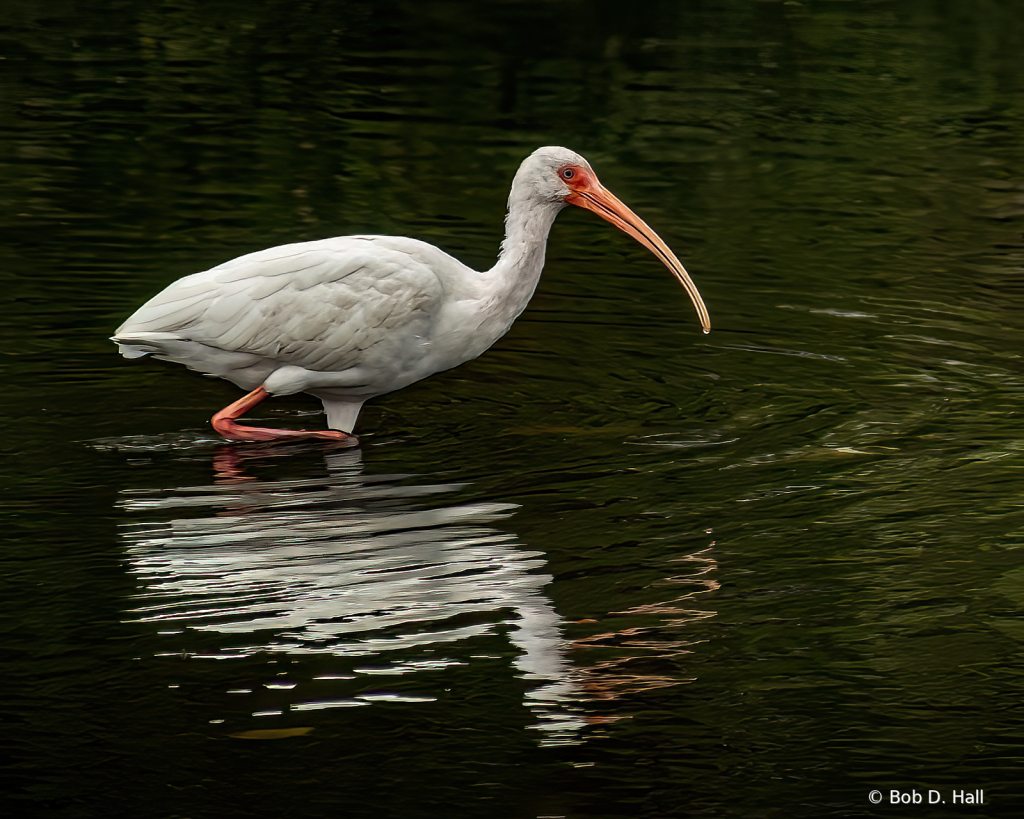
pixel 318 305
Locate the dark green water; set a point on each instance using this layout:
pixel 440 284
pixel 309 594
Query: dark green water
pixel 613 568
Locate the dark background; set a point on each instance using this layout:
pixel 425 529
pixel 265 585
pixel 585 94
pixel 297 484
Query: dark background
pixel 613 568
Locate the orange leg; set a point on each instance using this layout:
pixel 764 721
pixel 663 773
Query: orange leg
pixel 224 423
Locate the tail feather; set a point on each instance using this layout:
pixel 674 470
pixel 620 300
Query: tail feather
pixel 136 345
pixel 247 370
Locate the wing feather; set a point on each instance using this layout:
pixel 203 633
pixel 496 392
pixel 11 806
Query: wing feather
pixel 318 305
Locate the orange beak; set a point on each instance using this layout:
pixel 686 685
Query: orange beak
pixel 592 195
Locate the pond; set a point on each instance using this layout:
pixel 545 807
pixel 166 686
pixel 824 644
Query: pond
pixel 612 568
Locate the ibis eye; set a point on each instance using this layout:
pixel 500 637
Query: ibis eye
pixel 568 173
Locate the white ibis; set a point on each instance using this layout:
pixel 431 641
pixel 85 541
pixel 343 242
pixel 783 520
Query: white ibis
pixel 354 317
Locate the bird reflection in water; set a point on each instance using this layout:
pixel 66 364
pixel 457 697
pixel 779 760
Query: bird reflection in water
pixel 347 566
pixel 647 647
pixel 380 576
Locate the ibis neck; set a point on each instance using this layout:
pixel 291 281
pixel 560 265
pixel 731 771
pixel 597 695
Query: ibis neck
pixel 515 275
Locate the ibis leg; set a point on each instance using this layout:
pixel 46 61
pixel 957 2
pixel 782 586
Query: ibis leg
pixel 224 423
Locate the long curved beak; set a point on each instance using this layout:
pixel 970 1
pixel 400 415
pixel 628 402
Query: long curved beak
pixel 604 203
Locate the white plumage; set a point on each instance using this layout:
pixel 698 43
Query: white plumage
pixel 354 317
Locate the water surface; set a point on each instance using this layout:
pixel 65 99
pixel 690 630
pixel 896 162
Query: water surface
pixel 613 567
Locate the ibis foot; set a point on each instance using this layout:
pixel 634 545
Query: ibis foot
pixel 225 423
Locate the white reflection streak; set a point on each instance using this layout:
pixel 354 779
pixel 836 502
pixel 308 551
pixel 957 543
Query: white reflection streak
pixel 348 566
